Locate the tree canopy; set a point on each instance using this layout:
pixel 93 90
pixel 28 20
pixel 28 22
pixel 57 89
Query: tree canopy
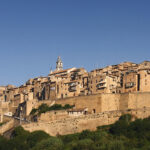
pixel 124 134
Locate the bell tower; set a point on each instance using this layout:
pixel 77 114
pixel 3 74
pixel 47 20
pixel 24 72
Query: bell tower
pixel 59 64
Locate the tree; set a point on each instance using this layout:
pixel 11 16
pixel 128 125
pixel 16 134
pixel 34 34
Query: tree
pixel 51 143
pixel 36 137
pixel 85 144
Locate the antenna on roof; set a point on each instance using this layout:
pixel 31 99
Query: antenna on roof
pixel 51 70
pixel 96 66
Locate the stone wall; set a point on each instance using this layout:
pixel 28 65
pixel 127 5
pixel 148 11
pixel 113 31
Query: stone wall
pixel 53 115
pixel 109 102
pixel 139 100
pixel 108 108
pixel 78 124
pixel 91 102
pixel 101 102
pixel 7 126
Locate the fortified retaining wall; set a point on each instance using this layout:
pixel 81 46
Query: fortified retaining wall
pixel 108 108
pixel 78 124
pixel 109 102
pixel 7 126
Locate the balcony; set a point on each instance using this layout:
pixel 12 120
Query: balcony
pixel 101 86
pixel 102 81
pixel 72 89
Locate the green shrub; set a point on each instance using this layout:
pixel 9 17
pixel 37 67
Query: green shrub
pixel 43 108
pixel 85 144
pixel 122 135
pixel 69 138
pixel 36 137
pixel 51 143
pixel 34 110
pixel 121 126
pixel 126 117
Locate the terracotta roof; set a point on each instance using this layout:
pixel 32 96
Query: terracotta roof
pixel 61 71
pixel 78 69
pixel 61 76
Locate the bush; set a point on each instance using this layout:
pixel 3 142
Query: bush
pixel 122 135
pixel 36 137
pixel 121 126
pixel 3 143
pixel 19 139
pixel 85 144
pixel 51 143
pixel 44 108
pixel 34 110
pixel 126 117
pixel 67 106
pixel 56 107
pixel 69 138
pixel 85 134
pixel 19 131
pixel 116 145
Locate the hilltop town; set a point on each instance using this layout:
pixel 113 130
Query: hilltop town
pixel 109 90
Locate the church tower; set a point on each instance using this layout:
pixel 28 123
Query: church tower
pixel 59 64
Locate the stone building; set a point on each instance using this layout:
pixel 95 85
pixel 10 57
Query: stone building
pixel 144 80
pixel 73 82
pixel 130 82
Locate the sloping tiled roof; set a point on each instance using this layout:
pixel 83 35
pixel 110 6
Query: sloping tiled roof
pixel 61 71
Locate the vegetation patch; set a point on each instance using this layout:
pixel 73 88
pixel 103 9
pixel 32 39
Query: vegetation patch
pixel 43 108
pixel 122 135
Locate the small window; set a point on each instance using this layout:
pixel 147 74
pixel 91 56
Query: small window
pixel 85 112
pixel 94 111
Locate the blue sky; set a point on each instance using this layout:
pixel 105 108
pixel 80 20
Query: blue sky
pixel 85 33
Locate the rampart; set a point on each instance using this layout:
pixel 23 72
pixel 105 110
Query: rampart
pixel 108 108
pixel 7 126
pixel 78 124
pixel 109 102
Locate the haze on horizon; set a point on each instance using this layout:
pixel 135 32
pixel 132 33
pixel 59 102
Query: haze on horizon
pixel 87 33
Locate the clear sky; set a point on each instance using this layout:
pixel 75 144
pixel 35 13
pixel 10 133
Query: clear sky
pixel 85 33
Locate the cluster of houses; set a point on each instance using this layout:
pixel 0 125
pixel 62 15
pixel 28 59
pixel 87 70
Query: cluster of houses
pixel 60 84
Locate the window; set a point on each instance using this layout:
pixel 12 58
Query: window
pixel 94 111
pixel 57 89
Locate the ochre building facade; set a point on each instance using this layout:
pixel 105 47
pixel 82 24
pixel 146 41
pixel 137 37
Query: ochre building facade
pixel 62 83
